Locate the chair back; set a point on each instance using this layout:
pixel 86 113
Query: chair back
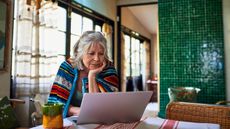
pixel 195 112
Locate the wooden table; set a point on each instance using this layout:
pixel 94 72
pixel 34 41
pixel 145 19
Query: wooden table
pixel 147 123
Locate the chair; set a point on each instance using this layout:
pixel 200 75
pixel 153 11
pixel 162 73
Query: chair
pixel 196 112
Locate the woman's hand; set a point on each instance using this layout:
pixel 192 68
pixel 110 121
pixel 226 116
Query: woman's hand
pixel 93 87
pixel 73 111
pixel 92 73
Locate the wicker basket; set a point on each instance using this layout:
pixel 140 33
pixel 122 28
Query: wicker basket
pixel 195 112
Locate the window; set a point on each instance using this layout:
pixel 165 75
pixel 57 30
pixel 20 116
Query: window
pixel 135 60
pixel 79 24
pixel 133 56
pixel 47 41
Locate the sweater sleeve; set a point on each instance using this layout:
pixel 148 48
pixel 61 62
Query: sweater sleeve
pixel 107 80
pixel 60 90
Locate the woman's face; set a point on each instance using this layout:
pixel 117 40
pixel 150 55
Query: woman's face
pixel 94 58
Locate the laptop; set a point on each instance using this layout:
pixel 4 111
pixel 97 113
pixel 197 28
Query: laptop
pixel 114 107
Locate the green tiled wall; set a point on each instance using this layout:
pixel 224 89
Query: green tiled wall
pixel 191 48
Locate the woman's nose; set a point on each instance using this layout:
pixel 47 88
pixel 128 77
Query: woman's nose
pixel 96 57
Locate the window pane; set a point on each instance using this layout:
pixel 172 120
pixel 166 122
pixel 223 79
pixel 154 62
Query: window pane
pixel 61 23
pixel 133 44
pixel 132 52
pixel 135 51
pixel 133 68
pixel 87 24
pixel 49 44
pixel 97 28
pixel 59 43
pixel 127 66
pixel 74 39
pixel 127 47
pixel 76 24
pixel 141 55
pixel 127 55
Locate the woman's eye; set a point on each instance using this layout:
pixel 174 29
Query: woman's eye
pixel 91 53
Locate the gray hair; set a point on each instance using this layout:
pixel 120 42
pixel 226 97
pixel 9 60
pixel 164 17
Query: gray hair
pixel 83 44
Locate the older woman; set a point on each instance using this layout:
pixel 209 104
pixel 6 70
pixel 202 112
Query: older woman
pixel 90 70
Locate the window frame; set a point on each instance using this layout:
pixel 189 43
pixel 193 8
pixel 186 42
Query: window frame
pixel 141 38
pixel 97 19
pixel 66 54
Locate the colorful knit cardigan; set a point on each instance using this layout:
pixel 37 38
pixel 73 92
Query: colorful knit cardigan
pixel 65 84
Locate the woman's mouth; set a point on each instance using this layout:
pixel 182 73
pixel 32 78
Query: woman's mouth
pixel 96 65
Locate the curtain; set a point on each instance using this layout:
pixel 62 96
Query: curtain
pixel 123 66
pixel 146 66
pixel 107 30
pixel 35 54
pixel 135 83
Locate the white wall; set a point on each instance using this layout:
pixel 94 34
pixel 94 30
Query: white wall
pixel 104 7
pixel 226 19
pixel 130 21
pixel 124 2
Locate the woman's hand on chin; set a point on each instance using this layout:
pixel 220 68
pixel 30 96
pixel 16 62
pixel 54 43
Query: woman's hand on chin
pixel 92 73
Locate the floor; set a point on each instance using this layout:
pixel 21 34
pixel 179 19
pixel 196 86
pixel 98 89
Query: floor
pixel 151 110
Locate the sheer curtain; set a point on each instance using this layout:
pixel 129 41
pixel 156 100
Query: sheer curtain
pixel 123 66
pixel 134 82
pixel 107 30
pixel 146 65
pixel 37 47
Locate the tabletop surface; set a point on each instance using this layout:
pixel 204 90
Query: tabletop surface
pixel 146 123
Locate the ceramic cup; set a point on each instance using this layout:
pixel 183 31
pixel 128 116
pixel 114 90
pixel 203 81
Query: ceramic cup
pixel 52 116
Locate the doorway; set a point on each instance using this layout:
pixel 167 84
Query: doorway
pixel 138 41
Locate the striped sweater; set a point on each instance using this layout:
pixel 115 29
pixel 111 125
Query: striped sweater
pixel 65 84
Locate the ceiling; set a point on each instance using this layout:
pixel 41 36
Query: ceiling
pixel 147 15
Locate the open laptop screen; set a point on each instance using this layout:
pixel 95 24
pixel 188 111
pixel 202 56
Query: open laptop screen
pixel 113 107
